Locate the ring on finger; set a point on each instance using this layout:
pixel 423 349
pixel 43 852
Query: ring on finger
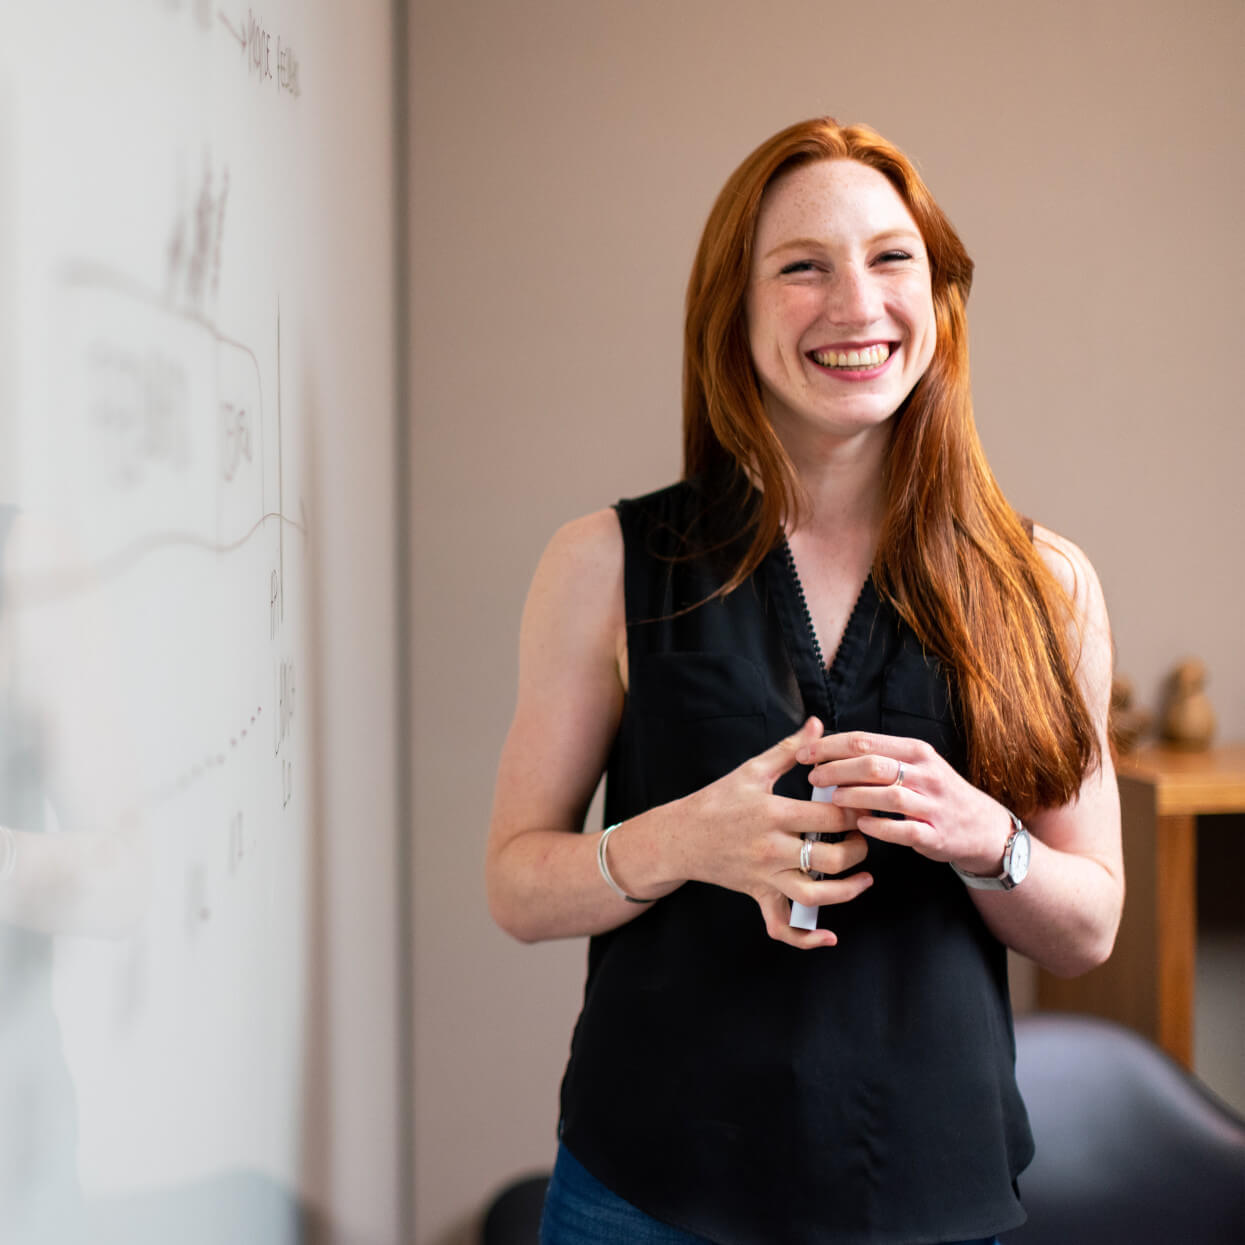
pixel 806 856
pixel 898 780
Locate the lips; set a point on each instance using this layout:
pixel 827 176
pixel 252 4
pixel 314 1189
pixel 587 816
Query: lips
pixel 873 355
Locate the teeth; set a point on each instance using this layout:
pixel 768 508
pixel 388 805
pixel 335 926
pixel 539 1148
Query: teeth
pixel 870 356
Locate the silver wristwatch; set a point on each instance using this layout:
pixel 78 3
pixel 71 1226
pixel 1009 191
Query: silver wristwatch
pixel 1015 863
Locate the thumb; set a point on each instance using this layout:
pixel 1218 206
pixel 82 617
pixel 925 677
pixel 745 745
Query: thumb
pixel 776 761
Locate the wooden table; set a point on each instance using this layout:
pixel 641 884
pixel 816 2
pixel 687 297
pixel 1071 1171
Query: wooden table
pixel 1147 983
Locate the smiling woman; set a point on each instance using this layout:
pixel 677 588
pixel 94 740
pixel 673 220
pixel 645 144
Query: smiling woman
pixel 840 314
pixel 802 669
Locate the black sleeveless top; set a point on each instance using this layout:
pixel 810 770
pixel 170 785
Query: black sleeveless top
pixel 739 1088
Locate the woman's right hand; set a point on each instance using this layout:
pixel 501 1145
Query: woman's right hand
pixel 738 834
pixel 543 880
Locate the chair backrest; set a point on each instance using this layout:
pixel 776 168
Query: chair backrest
pixel 1130 1147
pixel 513 1216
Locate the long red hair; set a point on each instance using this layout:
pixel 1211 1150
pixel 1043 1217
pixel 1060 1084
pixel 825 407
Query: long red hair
pixel 953 558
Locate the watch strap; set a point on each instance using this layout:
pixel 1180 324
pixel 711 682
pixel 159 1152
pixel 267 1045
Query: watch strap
pixel 1002 881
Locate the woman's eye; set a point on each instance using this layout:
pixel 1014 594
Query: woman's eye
pixel 797 266
pixel 890 257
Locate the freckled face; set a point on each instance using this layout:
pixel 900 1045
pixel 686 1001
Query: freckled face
pixel 840 311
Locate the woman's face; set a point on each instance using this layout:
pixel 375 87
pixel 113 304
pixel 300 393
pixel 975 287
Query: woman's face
pixel 840 312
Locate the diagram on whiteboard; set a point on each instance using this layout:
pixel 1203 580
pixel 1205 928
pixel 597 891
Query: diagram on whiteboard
pixel 157 592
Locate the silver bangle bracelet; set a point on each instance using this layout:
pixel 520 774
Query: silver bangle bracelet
pixel 605 869
pixel 8 853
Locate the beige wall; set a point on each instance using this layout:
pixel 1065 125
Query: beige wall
pixel 565 155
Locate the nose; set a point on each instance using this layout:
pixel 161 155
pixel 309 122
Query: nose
pixel 853 297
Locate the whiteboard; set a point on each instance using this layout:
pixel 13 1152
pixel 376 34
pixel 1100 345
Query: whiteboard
pixel 165 344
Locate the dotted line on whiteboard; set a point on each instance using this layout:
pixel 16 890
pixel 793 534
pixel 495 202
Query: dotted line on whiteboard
pixel 200 769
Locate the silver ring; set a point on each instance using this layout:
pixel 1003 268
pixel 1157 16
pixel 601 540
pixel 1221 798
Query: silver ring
pixel 899 776
pixel 806 855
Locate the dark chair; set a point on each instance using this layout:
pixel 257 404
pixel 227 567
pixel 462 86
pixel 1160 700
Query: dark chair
pixel 513 1216
pixel 1131 1148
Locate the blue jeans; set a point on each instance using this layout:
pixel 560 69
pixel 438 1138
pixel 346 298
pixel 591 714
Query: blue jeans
pixel 580 1210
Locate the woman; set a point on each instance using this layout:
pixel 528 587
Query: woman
pixel 836 601
pixel 59 761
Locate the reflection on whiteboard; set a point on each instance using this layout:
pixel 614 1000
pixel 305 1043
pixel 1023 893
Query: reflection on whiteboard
pixel 154 538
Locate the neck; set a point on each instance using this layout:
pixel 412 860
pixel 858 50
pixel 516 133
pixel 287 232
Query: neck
pixel 842 482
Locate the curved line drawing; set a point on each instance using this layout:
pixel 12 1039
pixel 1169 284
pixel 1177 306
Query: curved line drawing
pixel 43 587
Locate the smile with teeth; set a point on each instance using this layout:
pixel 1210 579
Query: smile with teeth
pixel 866 356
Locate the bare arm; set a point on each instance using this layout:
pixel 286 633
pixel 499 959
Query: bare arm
pixel 1067 920
pixel 1065 914
pixel 91 876
pixel 543 880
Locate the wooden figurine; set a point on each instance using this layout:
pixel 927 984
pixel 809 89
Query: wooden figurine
pixel 1188 720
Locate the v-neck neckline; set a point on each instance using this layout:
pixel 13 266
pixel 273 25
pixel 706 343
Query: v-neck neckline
pixel 823 682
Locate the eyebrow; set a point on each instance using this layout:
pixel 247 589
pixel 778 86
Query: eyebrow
pixel 813 244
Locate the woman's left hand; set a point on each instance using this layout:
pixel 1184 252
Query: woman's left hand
pixel 1065 914
pixel 943 815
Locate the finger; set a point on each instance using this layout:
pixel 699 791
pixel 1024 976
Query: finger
pixel 885 799
pixel 874 770
pixel 801 817
pixel 796 886
pixel 847 744
pixel 777 913
pixel 834 858
pixel 774 762
pixel 828 859
pixel 921 836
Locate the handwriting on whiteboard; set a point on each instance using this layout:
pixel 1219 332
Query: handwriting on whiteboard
pixel 267 59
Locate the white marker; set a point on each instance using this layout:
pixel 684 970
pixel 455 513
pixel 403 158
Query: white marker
pixel 802 916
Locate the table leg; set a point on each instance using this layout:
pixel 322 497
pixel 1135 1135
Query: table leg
pixel 1176 913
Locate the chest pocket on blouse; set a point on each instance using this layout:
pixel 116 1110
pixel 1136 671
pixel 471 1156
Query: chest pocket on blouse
pixel 918 702
pixel 698 715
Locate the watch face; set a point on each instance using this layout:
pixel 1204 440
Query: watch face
pixel 1018 864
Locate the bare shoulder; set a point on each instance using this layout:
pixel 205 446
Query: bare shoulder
pixel 580 572
pixel 590 545
pixel 575 611
pixel 1076 575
